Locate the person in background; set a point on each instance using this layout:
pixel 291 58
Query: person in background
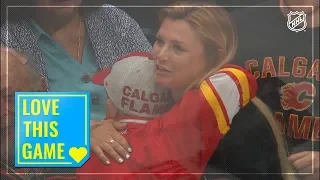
pixel 69 44
pixel 282 52
pixel 21 77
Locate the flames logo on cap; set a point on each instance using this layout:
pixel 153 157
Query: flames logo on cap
pixel 297 96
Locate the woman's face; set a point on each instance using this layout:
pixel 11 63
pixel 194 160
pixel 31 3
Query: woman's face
pixel 179 55
pixel 57 11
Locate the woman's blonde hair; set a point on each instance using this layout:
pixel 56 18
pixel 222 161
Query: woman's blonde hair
pixel 217 31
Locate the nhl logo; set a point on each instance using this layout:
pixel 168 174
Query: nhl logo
pixel 295 20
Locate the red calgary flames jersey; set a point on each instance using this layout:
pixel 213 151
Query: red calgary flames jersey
pixel 179 143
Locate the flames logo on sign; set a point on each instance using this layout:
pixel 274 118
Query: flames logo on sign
pixel 297 96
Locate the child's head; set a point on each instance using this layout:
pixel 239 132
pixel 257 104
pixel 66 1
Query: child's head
pixel 130 87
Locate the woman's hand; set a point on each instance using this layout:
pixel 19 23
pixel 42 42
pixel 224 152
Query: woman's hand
pixel 106 138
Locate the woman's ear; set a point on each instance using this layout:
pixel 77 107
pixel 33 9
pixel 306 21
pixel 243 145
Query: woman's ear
pixel 221 55
pixel 215 58
pixel 111 110
pixel 219 59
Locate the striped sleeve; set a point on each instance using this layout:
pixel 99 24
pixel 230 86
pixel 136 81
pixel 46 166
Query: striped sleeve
pixel 245 82
pixel 226 92
pixel 221 96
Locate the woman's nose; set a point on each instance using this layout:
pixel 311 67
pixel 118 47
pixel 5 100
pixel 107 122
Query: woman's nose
pixel 162 54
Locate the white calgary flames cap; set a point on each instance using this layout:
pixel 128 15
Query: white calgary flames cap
pixel 130 85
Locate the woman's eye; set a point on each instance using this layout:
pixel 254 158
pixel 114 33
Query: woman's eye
pixel 159 41
pixel 178 48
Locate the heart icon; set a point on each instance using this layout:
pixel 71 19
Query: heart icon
pixel 78 153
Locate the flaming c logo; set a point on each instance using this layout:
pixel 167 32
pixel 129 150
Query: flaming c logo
pixel 297 96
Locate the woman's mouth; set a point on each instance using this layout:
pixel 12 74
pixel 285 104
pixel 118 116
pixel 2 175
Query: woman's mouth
pixel 161 69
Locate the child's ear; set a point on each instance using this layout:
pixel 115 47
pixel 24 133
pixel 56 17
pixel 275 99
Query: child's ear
pixel 111 109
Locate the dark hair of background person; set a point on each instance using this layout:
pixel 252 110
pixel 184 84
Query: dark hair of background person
pixel 137 13
pixel 16 14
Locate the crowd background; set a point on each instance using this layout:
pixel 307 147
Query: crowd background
pixel 139 15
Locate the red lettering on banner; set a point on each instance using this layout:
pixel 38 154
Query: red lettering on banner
pixel 299 68
pixel 314 71
pixel 299 132
pixel 298 95
pixel 315 131
pixel 282 63
pixel 250 64
pixel 268 68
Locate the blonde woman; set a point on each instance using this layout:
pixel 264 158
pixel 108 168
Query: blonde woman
pixel 192 44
